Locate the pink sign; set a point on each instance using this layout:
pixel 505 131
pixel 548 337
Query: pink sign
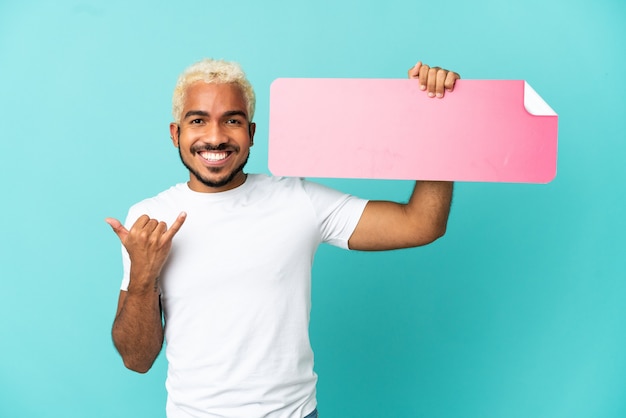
pixel 485 130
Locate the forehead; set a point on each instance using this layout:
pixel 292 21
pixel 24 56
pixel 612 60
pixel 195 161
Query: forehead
pixel 203 96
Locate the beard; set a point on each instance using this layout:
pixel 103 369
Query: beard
pixel 217 183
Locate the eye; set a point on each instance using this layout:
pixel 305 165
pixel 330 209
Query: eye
pixel 233 121
pixel 195 121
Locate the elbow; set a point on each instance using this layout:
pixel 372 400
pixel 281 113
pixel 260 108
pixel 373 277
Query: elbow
pixel 139 361
pixel 137 367
pixel 136 362
pixel 430 236
pixel 440 232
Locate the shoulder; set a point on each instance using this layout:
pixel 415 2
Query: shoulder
pixel 263 183
pixel 288 183
pixel 292 186
pixel 272 181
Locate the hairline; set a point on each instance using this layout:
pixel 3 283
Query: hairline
pixel 212 71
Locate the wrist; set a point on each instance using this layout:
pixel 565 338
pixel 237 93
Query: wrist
pixel 143 284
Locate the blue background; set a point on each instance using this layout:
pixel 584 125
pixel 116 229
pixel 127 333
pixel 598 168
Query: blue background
pixel 519 311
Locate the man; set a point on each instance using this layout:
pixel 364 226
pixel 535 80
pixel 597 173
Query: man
pixel 231 275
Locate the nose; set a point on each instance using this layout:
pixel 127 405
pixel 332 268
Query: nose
pixel 214 135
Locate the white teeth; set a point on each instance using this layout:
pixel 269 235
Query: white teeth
pixel 213 156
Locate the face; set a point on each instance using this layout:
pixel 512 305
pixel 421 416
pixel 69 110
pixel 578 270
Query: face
pixel 214 136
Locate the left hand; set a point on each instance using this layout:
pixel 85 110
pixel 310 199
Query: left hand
pixel 435 80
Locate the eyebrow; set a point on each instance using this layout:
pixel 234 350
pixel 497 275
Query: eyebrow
pixel 236 113
pixel 196 113
pixel 206 114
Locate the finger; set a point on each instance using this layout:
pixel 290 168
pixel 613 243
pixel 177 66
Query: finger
pixel 169 234
pixel 159 229
pixel 431 84
pixel 151 226
pixel 451 78
pixel 141 222
pixel 143 227
pixel 118 228
pixel 423 76
pixel 414 72
pixel 440 85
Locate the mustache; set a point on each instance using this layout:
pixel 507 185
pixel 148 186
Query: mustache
pixel 208 147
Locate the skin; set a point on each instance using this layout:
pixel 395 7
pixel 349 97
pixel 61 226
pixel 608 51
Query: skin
pixel 435 80
pixel 138 327
pixel 214 122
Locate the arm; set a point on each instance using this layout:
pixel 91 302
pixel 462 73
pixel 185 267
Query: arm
pixel 138 327
pixel 390 225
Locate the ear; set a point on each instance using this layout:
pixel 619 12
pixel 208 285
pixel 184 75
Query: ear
pixel 251 131
pixel 174 133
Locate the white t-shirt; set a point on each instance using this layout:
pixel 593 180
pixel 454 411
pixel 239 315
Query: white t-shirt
pixel 236 293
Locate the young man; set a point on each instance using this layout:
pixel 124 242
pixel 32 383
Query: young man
pixel 231 276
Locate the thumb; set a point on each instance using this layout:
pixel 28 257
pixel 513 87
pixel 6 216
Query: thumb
pixel 414 71
pixel 118 228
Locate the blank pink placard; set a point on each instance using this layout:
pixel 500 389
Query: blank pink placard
pixel 390 129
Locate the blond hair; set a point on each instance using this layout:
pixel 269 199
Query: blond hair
pixel 212 71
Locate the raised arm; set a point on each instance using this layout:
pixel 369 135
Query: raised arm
pixel 138 326
pixel 390 225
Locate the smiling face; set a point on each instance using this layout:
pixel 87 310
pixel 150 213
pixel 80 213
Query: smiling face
pixel 214 136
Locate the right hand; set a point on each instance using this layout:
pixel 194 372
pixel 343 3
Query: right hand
pixel 435 80
pixel 148 244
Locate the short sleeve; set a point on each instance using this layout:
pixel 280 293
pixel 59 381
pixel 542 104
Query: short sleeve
pixel 337 213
